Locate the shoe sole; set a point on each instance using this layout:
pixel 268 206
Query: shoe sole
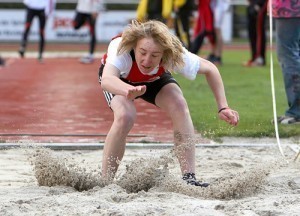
pixel 284 120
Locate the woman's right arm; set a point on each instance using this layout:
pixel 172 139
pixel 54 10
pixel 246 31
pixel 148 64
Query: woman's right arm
pixel 112 83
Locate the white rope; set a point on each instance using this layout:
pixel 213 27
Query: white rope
pixel 272 79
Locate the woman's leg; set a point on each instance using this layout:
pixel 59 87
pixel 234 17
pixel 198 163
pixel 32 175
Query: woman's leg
pixel 114 148
pixel 29 17
pixel 197 42
pixel 42 21
pixel 252 33
pixel 92 24
pixel 79 20
pixel 171 100
pixel 261 34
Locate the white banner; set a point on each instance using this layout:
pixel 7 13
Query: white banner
pixel 59 26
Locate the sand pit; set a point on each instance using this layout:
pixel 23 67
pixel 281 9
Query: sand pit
pixel 244 181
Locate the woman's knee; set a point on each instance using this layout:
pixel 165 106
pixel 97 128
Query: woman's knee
pixel 125 118
pixel 172 101
pixel 76 26
pixel 179 106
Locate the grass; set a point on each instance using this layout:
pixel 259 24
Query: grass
pixel 248 91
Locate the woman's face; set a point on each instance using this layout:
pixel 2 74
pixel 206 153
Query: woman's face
pixel 148 55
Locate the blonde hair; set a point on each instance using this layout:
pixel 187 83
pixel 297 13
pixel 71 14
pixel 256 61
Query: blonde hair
pixel 172 47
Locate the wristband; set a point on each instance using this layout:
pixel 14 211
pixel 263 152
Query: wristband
pixel 224 108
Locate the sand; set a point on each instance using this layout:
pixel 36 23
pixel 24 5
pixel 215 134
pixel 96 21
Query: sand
pixel 244 181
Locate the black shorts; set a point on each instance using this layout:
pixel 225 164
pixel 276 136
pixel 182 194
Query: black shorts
pixel 81 18
pixel 31 13
pixel 152 87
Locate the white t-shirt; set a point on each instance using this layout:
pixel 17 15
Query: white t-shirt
pixel 219 8
pixel 124 61
pixel 48 5
pixel 89 6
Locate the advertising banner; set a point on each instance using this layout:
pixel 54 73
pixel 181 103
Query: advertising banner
pixel 59 26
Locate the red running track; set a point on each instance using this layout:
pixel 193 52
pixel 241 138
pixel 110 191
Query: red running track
pixel 62 101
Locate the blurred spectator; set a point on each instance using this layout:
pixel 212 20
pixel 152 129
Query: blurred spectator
pixel 183 13
pixel 287 25
pixel 2 61
pixel 87 11
pixel 154 9
pixel 256 15
pixel 42 9
pixel 219 8
pixel 204 26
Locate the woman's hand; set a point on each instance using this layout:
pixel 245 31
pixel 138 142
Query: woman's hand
pixel 229 115
pixel 135 91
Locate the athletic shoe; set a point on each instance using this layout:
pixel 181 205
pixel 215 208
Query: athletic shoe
pixel 21 52
pixel 40 59
pixel 216 60
pixel 210 57
pixel 247 63
pixel 286 120
pixel 258 62
pixel 87 59
pixel 191 180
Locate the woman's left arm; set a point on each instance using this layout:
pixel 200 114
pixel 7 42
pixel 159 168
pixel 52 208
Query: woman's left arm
pixel 215 82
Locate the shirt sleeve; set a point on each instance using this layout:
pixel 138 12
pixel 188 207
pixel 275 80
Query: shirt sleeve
pixel 50 7
pixel 191 67
pixel 98 6
pixel 123 62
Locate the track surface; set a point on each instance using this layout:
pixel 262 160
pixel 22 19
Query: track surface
pixel 61 100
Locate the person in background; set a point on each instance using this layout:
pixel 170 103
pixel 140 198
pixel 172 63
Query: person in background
pixel 154 10
pixel 87 11
pixel 287 30
pixel 256 14
pixel 204 26
pixel 41 9
pixel 219 8
pixel 183 12
pixel 2 61
pixel 137 65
